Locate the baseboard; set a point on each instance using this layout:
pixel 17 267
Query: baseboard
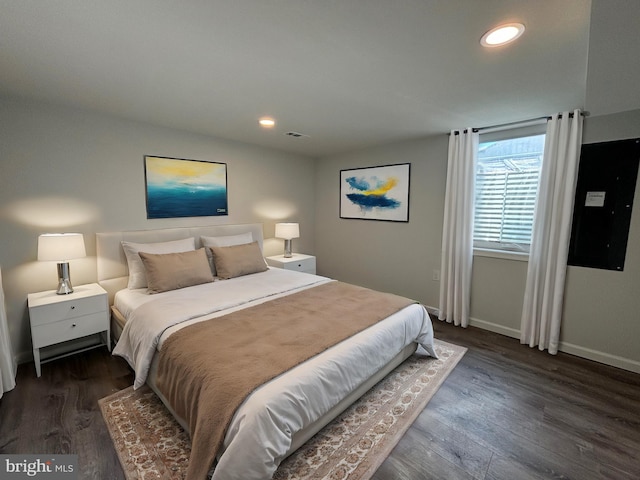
pixel 601 357
pixel 494 327
pixel 570 348
pixel 432 310
pixel 483 324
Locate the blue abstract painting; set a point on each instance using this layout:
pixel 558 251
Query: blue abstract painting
pixel 375 193
pixel 185 188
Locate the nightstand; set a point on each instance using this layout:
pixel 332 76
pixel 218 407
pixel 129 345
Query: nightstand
pixel 299 262
pixel 61 318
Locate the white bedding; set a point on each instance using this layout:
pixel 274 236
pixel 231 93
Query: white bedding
pixel 153 317
pixel 260 434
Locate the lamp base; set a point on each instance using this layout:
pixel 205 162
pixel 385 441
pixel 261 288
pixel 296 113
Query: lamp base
pixel 287 249
pixel 64 282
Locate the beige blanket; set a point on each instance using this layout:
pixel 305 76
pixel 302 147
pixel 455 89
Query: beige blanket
pixel 206 370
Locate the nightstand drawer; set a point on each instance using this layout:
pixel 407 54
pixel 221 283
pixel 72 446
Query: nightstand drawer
pixel 298 262
pixel 307 265
pixel 69 309
pixel 69 329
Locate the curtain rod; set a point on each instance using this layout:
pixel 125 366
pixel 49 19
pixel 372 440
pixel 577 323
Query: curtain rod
pixel 520 123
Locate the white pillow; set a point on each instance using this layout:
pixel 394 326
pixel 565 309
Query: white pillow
pixel 224 241
pixel 227 240
pixel 137 276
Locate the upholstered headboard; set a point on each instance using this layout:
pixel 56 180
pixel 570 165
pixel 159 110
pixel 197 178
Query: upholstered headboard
pixel 113 273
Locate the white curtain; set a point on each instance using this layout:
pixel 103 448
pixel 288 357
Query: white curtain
pixel 7 361
pixel 457 234
pixel 544 291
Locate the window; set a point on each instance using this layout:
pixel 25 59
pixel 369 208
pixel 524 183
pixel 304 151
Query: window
pixel 506 188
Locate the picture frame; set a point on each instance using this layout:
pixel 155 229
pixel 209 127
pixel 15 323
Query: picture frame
pixel 177 187
pixel 376 193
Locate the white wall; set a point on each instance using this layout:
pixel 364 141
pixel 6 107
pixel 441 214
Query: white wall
pixel 601 319
pixel 392 256
pixel 602 307
pixel 70 170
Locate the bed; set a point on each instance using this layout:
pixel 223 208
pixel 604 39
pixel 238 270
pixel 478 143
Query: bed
pixel 281 414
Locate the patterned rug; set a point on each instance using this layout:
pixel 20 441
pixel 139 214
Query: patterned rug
pixel 152 445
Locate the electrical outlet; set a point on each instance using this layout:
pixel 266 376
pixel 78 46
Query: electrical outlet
pixel 436 276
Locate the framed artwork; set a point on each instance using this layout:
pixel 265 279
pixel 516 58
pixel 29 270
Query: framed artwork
pixel 375 193
pixel 177 187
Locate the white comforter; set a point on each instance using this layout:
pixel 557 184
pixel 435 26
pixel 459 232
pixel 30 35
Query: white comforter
pixel 261 432
pixel 153 315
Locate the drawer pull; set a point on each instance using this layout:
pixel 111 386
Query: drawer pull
pixel 73 325
pixel 73 307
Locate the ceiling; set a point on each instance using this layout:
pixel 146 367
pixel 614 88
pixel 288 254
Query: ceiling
pixel 348 74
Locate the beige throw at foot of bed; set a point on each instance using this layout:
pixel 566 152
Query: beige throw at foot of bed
pixel 206 370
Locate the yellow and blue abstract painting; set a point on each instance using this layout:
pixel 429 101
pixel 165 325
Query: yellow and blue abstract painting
pixel 185 188
pixel 375 193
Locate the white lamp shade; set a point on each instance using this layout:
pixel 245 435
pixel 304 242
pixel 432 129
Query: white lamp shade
pixel 287 230
pixel 60 247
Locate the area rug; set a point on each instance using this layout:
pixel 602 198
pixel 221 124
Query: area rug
pixel 152 445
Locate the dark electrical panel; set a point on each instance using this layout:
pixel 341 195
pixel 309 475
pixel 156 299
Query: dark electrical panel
pixel 604 198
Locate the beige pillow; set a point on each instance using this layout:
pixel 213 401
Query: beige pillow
pixel 238 260
pixel 137 277
pixel 224 241
pixel 170 271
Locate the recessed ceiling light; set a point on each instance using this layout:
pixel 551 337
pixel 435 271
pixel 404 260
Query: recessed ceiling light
pixel 267 122
pixel 502 34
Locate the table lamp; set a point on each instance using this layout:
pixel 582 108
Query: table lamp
pixel 287 231
pixel 61 247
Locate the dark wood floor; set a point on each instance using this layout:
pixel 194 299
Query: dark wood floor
pixel 511 412
pixel 58 413
pixel 505 412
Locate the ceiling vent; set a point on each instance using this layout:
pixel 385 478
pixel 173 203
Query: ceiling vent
pixel 296 134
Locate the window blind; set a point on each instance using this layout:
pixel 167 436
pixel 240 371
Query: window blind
pixel 505 203
pixel 506 187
